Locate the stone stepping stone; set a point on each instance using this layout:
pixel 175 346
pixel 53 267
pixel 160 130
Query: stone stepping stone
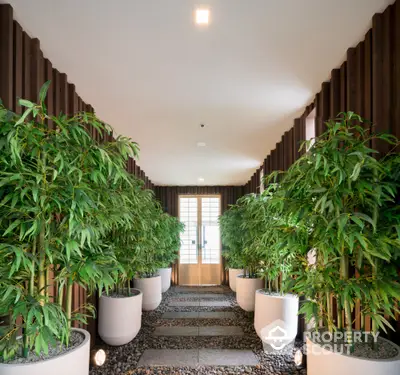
pixel 176 331
pixel 189 289
pixel 169 357
pixel 197 357
pixel 227 357
pixel 199 295
pixel 221 331
pixel 198 315
pixel 199 304
pixel 199 331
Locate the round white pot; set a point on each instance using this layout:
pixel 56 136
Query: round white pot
pixel 233 273
pixel 151 289
pixel 323 361
pixel 165 274
pixel 75 361
pixel 120 319
pixel 246 291
pixel 275 310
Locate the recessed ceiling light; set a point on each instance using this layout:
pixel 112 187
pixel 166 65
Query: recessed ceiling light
pixel 202 16
pixel 201 144
pixel 201 179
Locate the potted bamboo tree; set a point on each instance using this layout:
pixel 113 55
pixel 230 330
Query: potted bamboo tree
pixel 120 309
pixel 274 304
pixel 170 230
pixel 248 282
pixel 342 193
pixel 147 278
pixel 55 212
pixel 229 223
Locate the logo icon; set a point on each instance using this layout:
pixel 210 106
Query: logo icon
pixel 275 337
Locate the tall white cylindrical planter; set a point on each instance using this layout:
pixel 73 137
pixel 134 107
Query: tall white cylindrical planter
pixel 233 273
pixel 165 274
pixel 323 361
pixel 272 311
pixel 151 289
pixel 120 319
pixel 246 291
pixel 75 361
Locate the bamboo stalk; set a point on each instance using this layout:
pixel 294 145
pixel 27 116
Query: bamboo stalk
pixel 68 311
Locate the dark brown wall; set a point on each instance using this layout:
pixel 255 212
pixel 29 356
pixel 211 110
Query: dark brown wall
pixel 169 196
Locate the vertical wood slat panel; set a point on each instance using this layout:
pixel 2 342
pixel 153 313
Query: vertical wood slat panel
pixel 381 75
pixel 297 138
pixel 26 66
pixel 56 93
pixel 343 87
pixel 351 80
pixel 17 67
pixel 335 94
pixel 396 73
pixel 49 101
pixel 6 53
pixel 37 70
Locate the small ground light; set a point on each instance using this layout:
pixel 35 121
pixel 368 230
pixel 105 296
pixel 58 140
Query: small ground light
pixel 298 358
pixel 98 357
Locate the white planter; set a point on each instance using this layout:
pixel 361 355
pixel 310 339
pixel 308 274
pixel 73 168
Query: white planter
pixel 151 289
pixel 75 361
pixel 246 291
pixel 274 310
pixel 323 361
pixel 120 319
pixel 165 274
pixel 233 273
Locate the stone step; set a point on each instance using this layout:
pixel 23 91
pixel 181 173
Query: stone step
pixel 199 295
pixel 194 289
pixel 198 315
pixel 197 357
pixel 199 304
pixel 199 331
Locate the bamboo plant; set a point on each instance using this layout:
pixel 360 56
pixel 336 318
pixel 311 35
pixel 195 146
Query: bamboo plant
pixel 340 196
pixel 55 214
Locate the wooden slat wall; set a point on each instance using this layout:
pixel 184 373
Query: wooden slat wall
pixel 368 83
pixel 169 196
pixel 23 70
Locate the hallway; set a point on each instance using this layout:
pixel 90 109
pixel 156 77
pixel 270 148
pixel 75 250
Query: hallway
pixel 196 330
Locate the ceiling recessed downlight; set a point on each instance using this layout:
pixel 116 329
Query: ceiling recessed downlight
pixel 201 144
pixel 202 16
pixel 201 179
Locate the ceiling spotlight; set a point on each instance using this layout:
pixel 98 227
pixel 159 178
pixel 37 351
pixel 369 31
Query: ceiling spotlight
pixel 98 357
pixel 202 16
pixel 201 144
pixel 201 179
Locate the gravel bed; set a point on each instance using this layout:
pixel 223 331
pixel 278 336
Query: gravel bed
pixel 76 339
pixel 123 359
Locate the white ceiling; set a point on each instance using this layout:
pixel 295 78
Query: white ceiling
pixel 155 76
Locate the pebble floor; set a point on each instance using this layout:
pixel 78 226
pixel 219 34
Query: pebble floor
pixel 198 330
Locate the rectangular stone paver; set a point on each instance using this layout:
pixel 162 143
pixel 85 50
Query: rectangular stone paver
pixel 216 315
pixel 220 331
pixel 169 357
pixel 198 315
pixel 193 289
pixel 214 303
pixel 182 304
pixel 227 357
pixel 176 331
pixel 180 315
pixel 197 357
pixel 200 295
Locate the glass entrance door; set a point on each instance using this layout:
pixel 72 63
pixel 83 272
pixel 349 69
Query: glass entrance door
pixel 200 252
